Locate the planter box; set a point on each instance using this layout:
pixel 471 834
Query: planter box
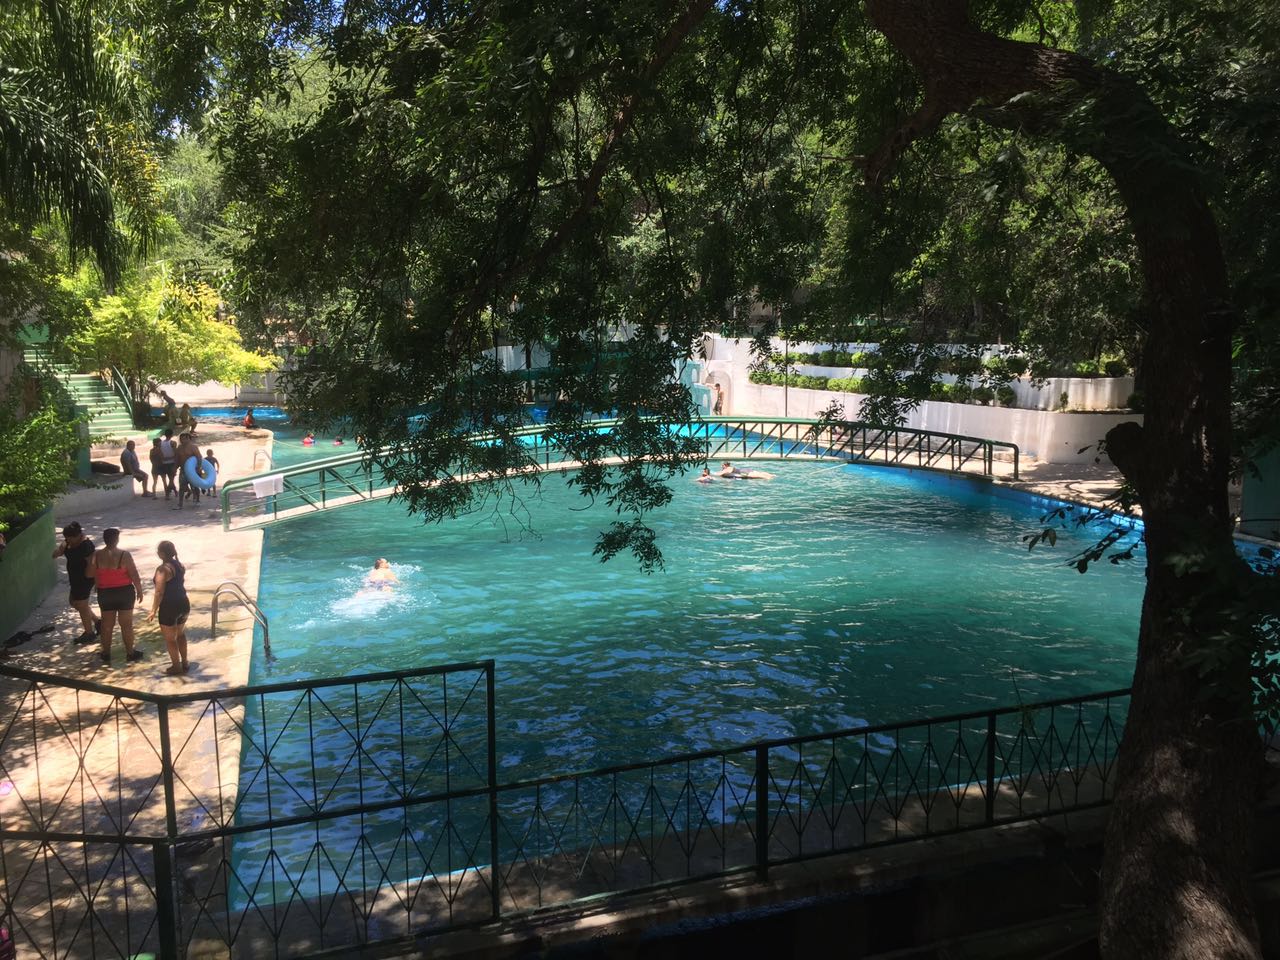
pixel 27 573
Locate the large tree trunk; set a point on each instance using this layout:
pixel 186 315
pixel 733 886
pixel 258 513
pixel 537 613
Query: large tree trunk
pixel 1175 875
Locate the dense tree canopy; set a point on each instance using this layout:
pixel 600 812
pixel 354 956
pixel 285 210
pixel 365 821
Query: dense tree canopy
pixel 393 190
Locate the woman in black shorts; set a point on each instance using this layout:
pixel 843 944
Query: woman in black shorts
pixel 171 603
pixel 119 588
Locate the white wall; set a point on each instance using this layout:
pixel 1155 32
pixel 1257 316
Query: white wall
pixel 1042 434
pixel 1083 393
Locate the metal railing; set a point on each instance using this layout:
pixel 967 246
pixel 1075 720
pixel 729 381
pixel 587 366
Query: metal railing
pixel 120 387
pixel 357 477
pixel 289 818
pixel 264 453
pixel 233 589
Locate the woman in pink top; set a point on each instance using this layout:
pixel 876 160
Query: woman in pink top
pixel 119 588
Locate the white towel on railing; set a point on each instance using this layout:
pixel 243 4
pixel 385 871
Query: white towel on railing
pixel 265 486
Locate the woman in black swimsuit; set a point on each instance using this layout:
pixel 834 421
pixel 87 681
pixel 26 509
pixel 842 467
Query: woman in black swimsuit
pixel 172 604
pixel 119 588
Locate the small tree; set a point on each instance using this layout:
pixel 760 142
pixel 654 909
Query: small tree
pixel 156 327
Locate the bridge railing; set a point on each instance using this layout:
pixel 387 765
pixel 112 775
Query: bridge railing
pixel 265 498
pixel 314 815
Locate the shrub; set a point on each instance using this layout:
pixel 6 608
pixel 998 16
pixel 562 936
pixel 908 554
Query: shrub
pixel 1087 368
pixel 847 384
pixel 938 390
pixel 1115 368
pixel 36 465
pixel 1006 397
pixel 859 359
pixel 959 393
pixel 1135 401
pixel 1017 365
pixel 982 395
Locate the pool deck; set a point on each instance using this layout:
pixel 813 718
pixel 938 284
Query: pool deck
pixel 209 555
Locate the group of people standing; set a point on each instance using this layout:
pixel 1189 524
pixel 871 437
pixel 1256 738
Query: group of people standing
pixel 169 456
pixel 115 575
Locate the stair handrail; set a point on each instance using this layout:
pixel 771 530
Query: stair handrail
pixel 120 386
pixel 233 589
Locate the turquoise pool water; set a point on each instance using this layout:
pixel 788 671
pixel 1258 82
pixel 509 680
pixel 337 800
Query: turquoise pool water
pixel 829 597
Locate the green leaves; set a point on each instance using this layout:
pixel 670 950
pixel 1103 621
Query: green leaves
pixel 38 444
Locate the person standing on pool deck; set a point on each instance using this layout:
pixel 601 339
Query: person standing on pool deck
pixel 129 464
pixel 213 462
pixel 186 450
pixel 171 602
pixel 719 404
pixel 119 588
pixel 157 466
pixel 78 549
pixel 169 453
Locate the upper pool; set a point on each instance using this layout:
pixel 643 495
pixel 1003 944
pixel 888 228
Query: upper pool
pixel 828 597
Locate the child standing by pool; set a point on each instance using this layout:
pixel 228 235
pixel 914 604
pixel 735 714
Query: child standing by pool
pixel 208 455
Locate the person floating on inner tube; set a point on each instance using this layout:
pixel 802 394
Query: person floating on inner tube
pixel 729 472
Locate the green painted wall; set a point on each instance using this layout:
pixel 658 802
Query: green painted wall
pixel 27 573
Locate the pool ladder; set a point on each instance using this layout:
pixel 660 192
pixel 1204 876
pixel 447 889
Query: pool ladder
pixel 264 452
pixel 234 590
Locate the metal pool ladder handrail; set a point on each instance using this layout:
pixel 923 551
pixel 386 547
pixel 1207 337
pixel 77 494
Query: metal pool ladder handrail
pixel 266 453
pixel 233 589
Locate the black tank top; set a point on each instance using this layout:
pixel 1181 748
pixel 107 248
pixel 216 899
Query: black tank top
pixel 175 589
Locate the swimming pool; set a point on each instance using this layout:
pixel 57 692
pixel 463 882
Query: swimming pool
pixel 269 416
pixel 830 597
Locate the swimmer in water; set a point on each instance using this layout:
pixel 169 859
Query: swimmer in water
pixel 339 442
pixel 729 472
pixel 309 440
pixel 381 577
pixel 706 476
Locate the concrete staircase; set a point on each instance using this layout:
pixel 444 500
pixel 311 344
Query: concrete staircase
pixel 109 416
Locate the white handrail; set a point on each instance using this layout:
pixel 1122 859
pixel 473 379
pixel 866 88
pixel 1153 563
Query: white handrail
pixel 266 453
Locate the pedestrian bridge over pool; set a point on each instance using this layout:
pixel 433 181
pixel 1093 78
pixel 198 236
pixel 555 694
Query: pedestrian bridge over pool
pixel 263 499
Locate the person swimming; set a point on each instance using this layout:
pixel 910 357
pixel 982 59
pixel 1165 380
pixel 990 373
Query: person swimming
pixel 729 472
pixel 381 577
pixel 705 476
pixel 309 440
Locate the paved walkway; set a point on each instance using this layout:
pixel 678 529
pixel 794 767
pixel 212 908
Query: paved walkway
pixel 209 555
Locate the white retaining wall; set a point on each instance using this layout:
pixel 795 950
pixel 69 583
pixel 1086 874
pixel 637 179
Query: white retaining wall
pixel 1083 393
pixel 1042 434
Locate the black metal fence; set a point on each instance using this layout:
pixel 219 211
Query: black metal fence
pixel 291 818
